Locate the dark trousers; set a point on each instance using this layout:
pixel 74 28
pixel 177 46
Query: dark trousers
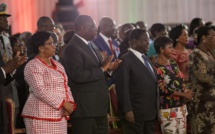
pixel 3 118
pixel 147 128
pixel 96 125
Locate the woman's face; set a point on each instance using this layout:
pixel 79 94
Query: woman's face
pixel 48 49
pixel 167 50
pixel 183 38
pixel 18 46
pixel 210 40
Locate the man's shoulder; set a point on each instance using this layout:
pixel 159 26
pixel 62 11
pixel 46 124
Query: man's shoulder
pixel 127 56
pixel 97 40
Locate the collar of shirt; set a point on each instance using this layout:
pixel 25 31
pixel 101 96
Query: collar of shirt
pixel 85 41
pixel 105 39
pixel 137 54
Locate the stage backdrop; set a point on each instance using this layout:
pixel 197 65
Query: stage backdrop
pixel 26 12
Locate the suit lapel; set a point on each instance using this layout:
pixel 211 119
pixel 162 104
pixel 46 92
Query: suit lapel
pixel 140 64
pixel 106 47
pixel 86 49
pixel 97 52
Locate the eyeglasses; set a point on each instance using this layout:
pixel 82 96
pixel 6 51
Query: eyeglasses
pixel 51 44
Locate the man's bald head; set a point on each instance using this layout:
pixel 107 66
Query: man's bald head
pixel 45 23
pixel 85 27
pixel 81 20
pixel 107 26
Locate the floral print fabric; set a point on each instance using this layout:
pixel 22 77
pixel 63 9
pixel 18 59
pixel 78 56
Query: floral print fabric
pixel 173 111
pixel 173 120
pixel 169 80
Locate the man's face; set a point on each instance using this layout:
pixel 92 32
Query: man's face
pixel 49 26
pixel 4 23
pixel 90 30
pixel 142 44
pixel 111 28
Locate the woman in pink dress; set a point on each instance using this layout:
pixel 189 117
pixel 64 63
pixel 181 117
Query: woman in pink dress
pixel 180 54
pixel 50 101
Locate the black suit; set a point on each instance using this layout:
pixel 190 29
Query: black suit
pixel 87 82
pixel 3 112
pixel 136 90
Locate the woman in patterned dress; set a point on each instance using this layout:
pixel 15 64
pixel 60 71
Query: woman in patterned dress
pixel 172 90
pixel 50 101
pixel 202 82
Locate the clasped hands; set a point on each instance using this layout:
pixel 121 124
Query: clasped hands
pixel 188 94
pixel 68 108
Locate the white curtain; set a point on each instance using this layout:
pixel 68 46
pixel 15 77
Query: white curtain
pixel 26 12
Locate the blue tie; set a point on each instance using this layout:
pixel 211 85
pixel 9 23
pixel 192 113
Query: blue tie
pixel 145 58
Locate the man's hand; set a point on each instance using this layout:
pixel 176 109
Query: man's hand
pixel 114 65
pixel 103 54
pixel 129 116
pixel 14 63
pixel 106 62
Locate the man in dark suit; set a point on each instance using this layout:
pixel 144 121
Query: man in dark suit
pixel 5 79
pixel 85 70
pixel 103 41
pixel 6 67
pixel 136 87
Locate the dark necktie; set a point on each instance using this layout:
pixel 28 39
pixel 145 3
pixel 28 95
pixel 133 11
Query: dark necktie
pixel 92 50
pixel 111 48
pixel 148 66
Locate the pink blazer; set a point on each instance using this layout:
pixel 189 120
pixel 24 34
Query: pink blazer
pixel 48 90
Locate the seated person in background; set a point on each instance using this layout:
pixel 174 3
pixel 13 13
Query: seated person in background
pixel 173 110
pixel 50 100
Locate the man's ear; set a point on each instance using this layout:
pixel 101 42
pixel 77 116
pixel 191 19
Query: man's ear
pixel 132 43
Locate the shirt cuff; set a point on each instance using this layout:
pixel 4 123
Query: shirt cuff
pixel 102 69
pixel 3 72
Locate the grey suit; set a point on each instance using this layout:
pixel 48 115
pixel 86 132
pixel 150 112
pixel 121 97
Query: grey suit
pixel 86 80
